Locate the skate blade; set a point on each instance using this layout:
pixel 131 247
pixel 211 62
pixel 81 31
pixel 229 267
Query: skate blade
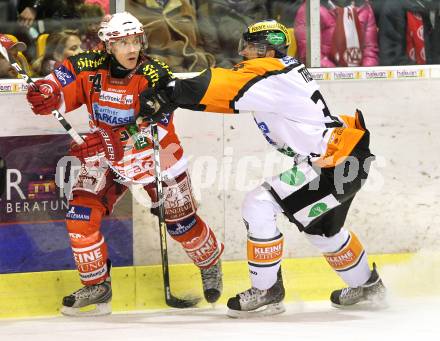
pixel 266 310
pixel 100 309
pixel 370 304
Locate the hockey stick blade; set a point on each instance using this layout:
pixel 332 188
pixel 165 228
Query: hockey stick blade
pixel 182 303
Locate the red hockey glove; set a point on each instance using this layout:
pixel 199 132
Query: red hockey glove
pixel 44 97
pixel 101 141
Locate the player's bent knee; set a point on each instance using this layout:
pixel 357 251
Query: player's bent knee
pixel 250 205
pixel 259 214
pixel 198 241
pixel 328 244
pixel 84 215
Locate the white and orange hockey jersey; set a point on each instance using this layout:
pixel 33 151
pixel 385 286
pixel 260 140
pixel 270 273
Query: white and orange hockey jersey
pixel 114 103
pixel 285 102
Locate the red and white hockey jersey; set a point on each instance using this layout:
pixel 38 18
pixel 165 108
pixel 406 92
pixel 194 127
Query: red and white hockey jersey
pixel 85 79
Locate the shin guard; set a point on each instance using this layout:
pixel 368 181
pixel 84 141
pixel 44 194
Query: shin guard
pixel 264 259
pixel 198 241
pixel 83 220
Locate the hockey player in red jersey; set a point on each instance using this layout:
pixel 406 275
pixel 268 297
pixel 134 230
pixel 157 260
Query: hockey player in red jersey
pixel 109 83
pixel 330 157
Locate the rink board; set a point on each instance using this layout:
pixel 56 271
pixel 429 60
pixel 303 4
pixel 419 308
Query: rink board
pixel 396 213
pixel 141 288
pixel 33 235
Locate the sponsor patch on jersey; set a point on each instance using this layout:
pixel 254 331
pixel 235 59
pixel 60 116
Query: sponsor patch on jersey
pixel 263 127
pixel 111 97
pixel 64 75
pixel 140 138
pixel 113 116
pixel 79 213
pixel 288 60
pixel 265 130
pixel 165 120
pixel 181 227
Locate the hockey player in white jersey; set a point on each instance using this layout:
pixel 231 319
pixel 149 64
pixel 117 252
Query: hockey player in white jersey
pixel 330 162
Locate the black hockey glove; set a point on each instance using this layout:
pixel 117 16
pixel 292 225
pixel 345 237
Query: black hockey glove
pixel 155 103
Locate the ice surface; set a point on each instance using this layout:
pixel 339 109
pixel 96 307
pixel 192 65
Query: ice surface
pixel 405 319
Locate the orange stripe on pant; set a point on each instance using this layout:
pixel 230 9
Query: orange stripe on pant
pixel 265 252
pixel 347 257
pixel 83 221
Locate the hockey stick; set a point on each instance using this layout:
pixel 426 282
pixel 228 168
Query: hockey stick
pixel 66 125
pixel 170 300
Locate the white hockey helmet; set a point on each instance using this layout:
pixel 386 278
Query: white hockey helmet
pixel 119 25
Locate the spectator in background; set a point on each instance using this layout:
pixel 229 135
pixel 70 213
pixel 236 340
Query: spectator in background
pixel 283 10
pixel 25 12
pixel 348 33
pixel 59 46
pixel 104 4
pixel 13 49
pixel 377 8
pixel 91 16
pixel 222 22
pixel 57 9
pixel 21 11
pixel 51 14
pixel 17 18
pixel 409 32
pixel 172 33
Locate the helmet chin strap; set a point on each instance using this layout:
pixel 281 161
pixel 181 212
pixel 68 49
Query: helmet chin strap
pixel 261 51
pixel 107 47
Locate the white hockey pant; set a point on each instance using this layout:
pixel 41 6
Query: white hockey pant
pixel 343 251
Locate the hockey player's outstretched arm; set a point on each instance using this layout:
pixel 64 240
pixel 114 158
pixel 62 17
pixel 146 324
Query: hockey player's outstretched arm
pixel 185 93
pixel 218 89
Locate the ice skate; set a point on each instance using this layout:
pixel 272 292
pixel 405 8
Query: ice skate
pixel 92 300
pixel 256 302
pixel 373 291
pixel 212 279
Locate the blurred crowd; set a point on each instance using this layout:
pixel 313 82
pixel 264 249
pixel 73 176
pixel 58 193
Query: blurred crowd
pixel 191 35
